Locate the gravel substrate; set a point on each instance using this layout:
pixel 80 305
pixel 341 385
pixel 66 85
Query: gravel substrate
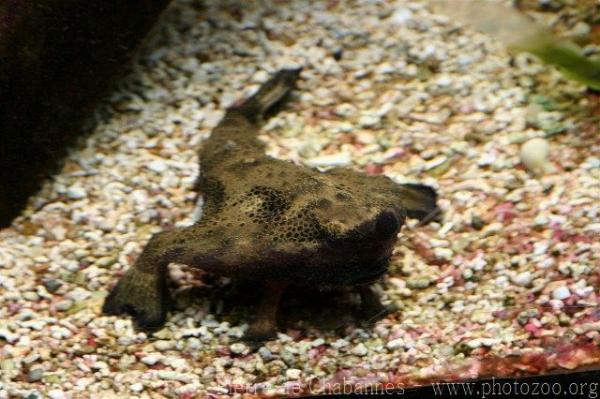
pixel 507 284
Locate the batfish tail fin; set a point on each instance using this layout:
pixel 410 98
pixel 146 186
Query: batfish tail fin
pixel 270 95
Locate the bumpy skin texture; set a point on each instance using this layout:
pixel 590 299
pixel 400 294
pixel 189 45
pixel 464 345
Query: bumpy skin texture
pixel 276 222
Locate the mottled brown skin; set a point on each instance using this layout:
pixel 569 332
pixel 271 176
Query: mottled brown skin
pixel 275 222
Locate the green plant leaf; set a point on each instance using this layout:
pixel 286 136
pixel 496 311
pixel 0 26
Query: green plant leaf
pixel 520 33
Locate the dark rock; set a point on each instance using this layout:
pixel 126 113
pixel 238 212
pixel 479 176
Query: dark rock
pixel 56 60
pixel 477 223
pixel 52 285
pixel 338 53
pixel 35 375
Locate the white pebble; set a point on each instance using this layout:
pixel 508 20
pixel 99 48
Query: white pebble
pixel 340 343
pixel 30 296
pixel 139 196
pixel 163 345
pixel 369 120
pixel 478 342
pixel 60 332
pixel 76 192
pixel 401 16
pixel 547 263
pixel 78 294
pixel 33 324
pixel 235 332
pixel 151 359
pixel 8 336
pixel 188 390
pixel 137 387
pixel 260 76
pixel 523 278
pixel 237 348
pixel 175 376
pixel 395 343
pixel 293 374
pixel 194 343
pixel 64 305
pixel 177 363
pixel 444 80
pixel 339 159
pixel 561 293
pixel 534 155
pixel 443 253
pixel 99 366
pixel 157 166
pixel 360 350
pixel 56 394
